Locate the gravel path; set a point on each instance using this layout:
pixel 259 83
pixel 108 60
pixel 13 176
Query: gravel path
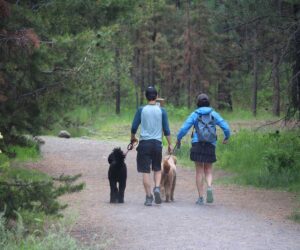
pixel 241 218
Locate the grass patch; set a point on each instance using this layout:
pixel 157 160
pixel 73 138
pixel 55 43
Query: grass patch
pixel 103 123
pixel 24 174
pixel 100 123
pixel 239 114
pixel 295 216
pixel 57 236
pixel 270 160
pixel 25 154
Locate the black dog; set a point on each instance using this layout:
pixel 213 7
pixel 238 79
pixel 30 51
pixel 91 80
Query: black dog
pixel 117 173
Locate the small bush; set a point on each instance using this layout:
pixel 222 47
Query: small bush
pixel 33 191
pixel 28 153
pixel 263 159
pixel 4 162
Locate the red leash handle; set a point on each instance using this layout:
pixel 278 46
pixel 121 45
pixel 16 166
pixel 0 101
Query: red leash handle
pixel 131 145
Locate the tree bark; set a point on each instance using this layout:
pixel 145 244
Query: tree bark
pixel 255 77
pixel 118 83
pixel 224 96
pixel 188 56
pixel 136 74
pixel 276 84
pixel 142 79
pixel 295 89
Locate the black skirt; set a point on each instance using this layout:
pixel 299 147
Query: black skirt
pixel 203 152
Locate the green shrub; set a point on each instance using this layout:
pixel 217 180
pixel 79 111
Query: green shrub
pixel 23 154
pixel 4 162
pixel 263 159
pixel 23 189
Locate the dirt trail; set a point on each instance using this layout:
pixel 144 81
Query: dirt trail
pixel 241 218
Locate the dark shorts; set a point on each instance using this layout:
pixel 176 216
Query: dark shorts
pixel 149 153
pixel 203 152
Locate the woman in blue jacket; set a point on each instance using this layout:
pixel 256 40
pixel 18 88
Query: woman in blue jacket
pixel 203 152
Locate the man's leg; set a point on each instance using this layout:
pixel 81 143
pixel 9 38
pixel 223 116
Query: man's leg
pixel 208 177
pixel 156 190
pixel 156 167
pixel 147 186
pixel 147 183
pixel 157 178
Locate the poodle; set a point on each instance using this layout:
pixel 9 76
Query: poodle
pixel 117 173
pixel 168 177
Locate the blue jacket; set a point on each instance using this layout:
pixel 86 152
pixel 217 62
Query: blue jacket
pixel 192 121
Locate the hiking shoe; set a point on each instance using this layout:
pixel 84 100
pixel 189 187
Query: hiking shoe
pixel 200 201
pixel 156 192
pixel 149 200
pixel 209 196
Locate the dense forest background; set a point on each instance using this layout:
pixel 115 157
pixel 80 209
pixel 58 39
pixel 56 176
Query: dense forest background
pixel 56 55
pixel 83 65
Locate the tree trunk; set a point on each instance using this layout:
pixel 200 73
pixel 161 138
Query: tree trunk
pixel 188 56
pixel 142 79
pixel 224 96
pixel 152 59
pixel 148 69
pixel 255 77
pixel 295 89
pixel 276 84
pixel 118 83
pixel 136 74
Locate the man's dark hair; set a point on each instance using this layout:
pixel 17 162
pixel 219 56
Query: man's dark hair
pixel 151 93
pixel 203 101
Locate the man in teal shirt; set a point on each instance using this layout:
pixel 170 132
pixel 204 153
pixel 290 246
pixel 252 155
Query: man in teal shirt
pixel 154 123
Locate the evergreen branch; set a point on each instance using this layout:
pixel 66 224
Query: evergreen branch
pixel 245 23
pixel 38 91
pixel 61 190
pixel 270 123
pixel 67 178
pixel 24 184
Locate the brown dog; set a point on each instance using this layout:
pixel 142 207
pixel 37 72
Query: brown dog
pixel 168 177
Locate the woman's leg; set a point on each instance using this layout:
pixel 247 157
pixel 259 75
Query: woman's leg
pixel 208 177
pixel 208 174
pixel 199 178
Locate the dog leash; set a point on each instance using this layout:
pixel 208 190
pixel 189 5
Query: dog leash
pixel 131 145
pixel 177 145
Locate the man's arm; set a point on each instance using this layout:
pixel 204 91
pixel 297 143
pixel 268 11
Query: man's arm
pixel 170 149
pixel 166 129
pixel 135 124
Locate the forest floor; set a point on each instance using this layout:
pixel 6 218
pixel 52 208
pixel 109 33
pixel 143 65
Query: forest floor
pixel 240 218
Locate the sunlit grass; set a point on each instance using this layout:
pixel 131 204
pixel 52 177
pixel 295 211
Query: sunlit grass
pixel 24 154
